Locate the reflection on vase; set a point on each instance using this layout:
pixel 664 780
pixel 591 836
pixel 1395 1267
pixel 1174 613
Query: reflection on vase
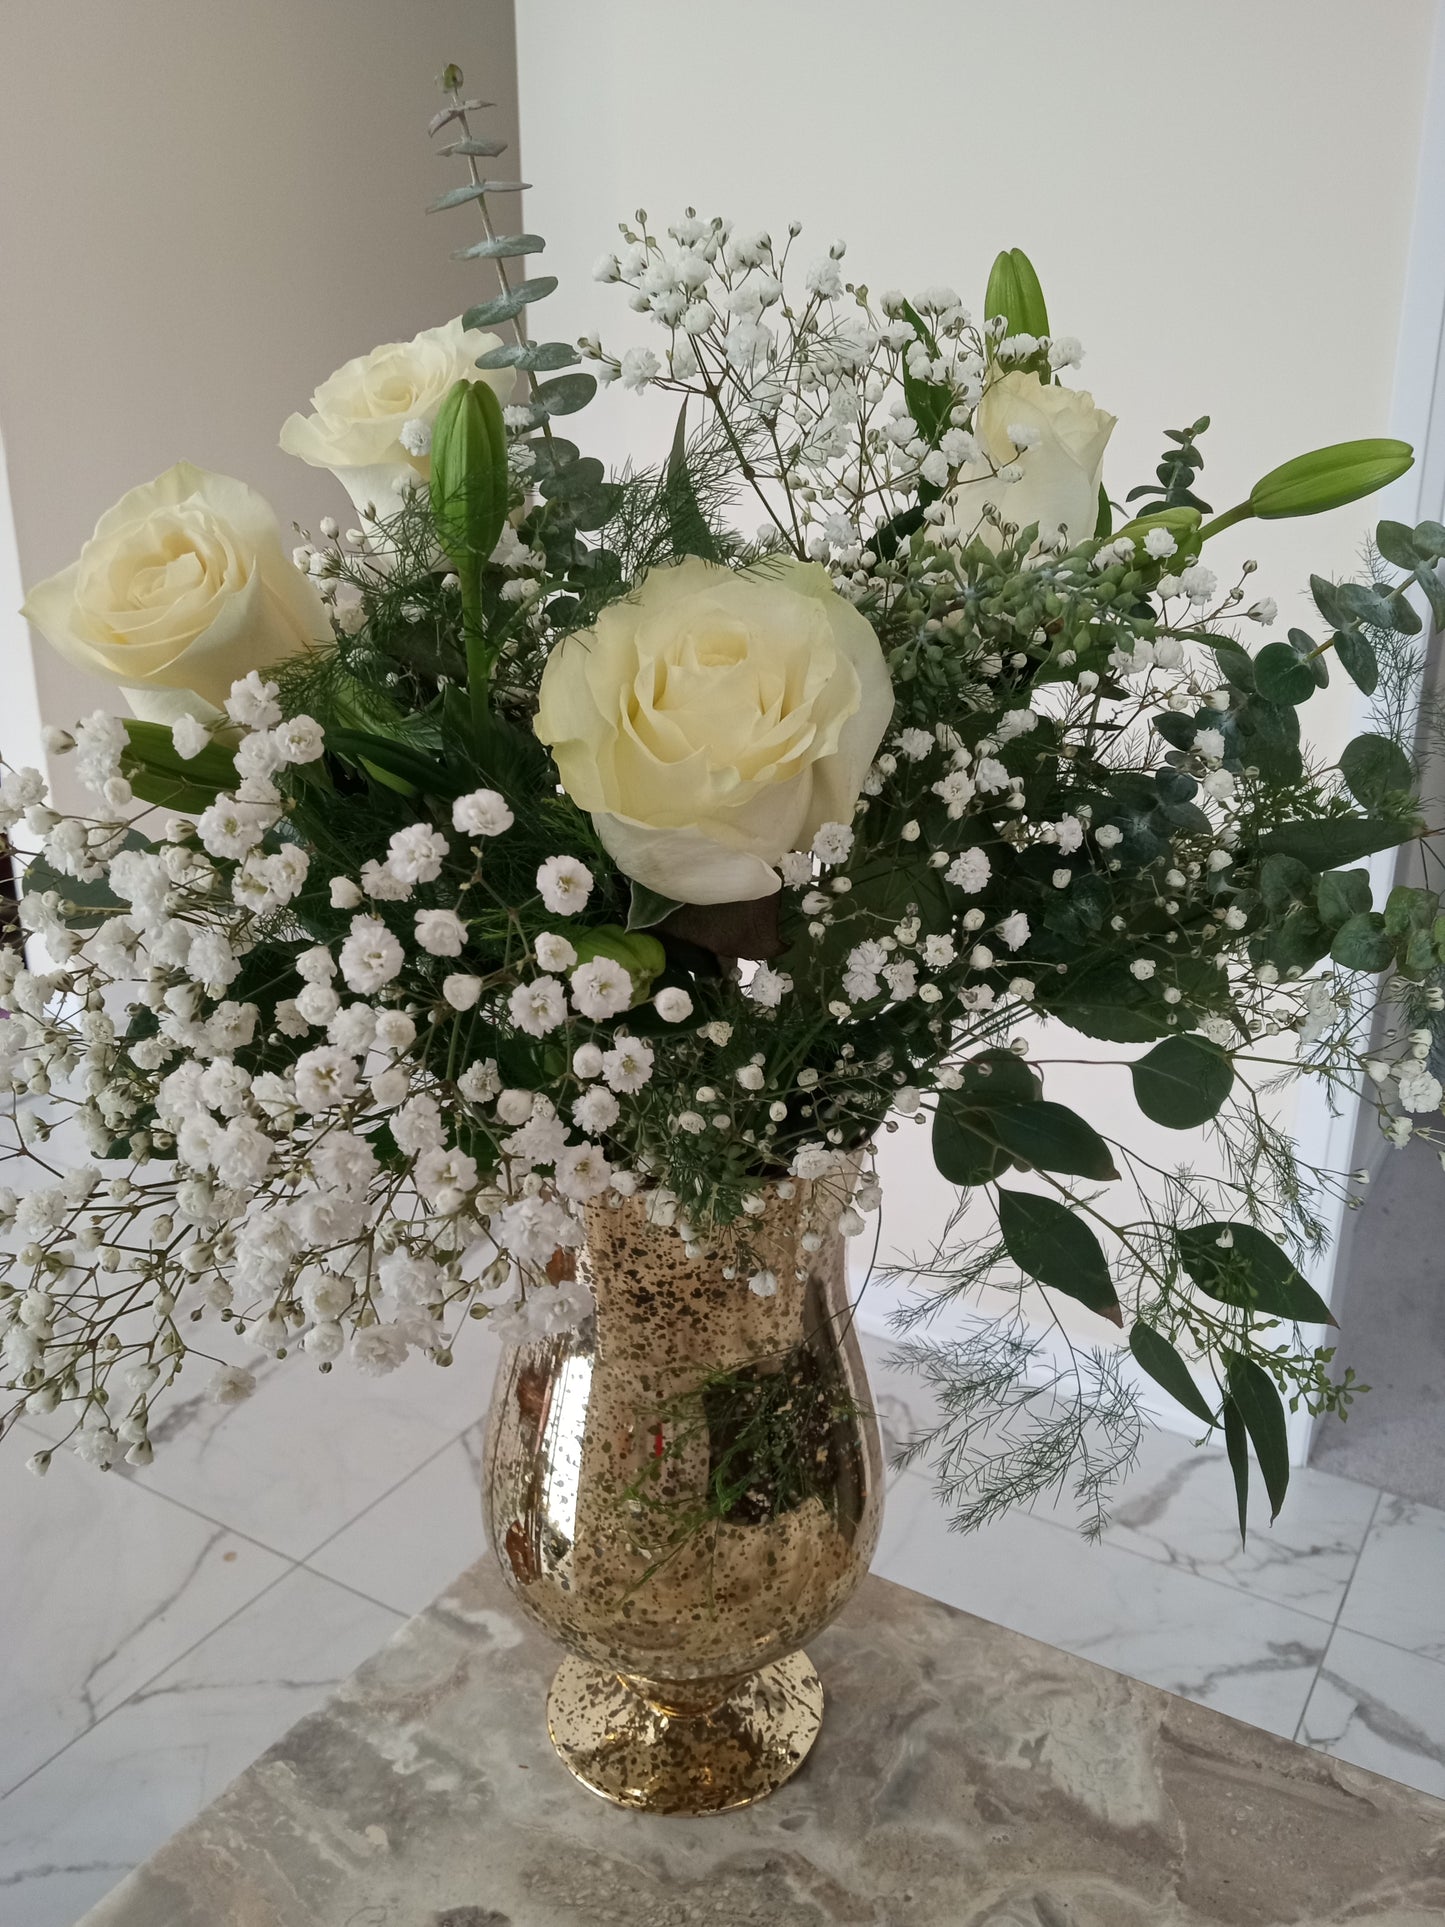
pixel 685 1490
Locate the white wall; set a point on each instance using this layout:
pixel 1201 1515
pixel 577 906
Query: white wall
pixel 205 209
pixel 1218 198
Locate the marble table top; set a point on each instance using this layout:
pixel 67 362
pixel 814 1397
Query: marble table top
pixel 965 1777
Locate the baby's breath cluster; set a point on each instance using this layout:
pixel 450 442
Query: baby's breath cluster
pixel 373 975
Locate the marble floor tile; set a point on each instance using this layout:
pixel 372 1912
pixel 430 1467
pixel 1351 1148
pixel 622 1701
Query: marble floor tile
pixel 101 1586
pixel 1178 1506
pixel 410 1545
pixel 1246 1656
pixel 307 1453
pixel 1380 1708
pixel 70 1831
pixel 1398 1591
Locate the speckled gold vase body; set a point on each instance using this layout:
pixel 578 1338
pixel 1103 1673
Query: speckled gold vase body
pixel 682 1492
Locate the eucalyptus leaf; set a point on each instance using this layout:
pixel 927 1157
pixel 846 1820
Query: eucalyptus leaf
pixel 1313 657
pixel 1326 844
pixel 1375 769
pixel 1361 943
pixel 500 247
pixel 1342 894
pixel 1397 544
pixel 1053 1138
pixel 529 354
pixel 1236 1443
pixel 475 191
pixel 1182 1082
pixel 1049 1242
pixel 1280 676
pixel 566 394
pixel 1254 1393
pixel 1239 1265
pixel 1162 1362
pixel 506 306
pixel 1357 658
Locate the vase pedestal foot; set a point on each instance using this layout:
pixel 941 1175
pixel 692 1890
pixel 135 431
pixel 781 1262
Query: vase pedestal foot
pixel 637 1754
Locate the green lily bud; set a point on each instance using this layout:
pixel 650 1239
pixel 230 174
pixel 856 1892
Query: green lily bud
pixel 1182 524
pixel 1014 292
pixel 640 955
pixel 1328 478
pixel 469 475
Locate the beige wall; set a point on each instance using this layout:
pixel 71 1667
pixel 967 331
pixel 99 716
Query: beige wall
pixel 204 209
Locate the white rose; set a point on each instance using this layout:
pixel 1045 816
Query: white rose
pixel 183 589
pixel 715 720
pixel 1062 464
pixel 360 413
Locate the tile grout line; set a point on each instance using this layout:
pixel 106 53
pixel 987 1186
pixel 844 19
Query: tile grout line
pixel 1190 1572
pixel 295 1566
pixel 1335 1626
pixel 292 1564
pixel 151 1678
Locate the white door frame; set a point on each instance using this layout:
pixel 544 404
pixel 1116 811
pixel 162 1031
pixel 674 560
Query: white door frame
pixel 1417 414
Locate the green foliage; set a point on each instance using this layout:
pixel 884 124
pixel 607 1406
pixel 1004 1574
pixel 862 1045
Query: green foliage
pixel 1239 1265
pixel 1156 1356
pixel 1177 471
pixel 1182 1082
pixel 1252 1393
pixel 159 775
pixel 1053 1245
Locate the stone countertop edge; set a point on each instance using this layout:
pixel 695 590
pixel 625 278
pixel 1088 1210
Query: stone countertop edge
pixel 965 1777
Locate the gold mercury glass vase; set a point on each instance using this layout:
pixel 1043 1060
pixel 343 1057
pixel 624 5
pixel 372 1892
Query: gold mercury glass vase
pixel 683 1491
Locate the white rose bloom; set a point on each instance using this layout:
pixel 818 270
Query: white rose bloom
pixel 1061 467
pixel 183 589
pixel 753 703
pixel 361 414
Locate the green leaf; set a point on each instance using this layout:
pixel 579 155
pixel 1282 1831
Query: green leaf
pixel 686 524
pixel 394 765
pixel 1284 880
pixel 1250 1271
pixel 1360 943
pixel 1281 677
pixel 1326 844
pixel 160 776
pixel 94 901
pixel 1014 292
pixel 1430 540
pixel 1053 1138
pixel 961 1152
pixel 1182 1082
pixel 649 907
pixel 500 247
pixel 999 1077
pixel 459 196
pixel 1155 1355
pixel 1434 591
pixel 1343 894
pixel 1236 1441
pixel 1397 544
pixel 1357 658
pixel 1375 769
pixel 566 394
pixel 506 306
pixel 1257 1397
pixel 1308 650
pixel 1045 1239
pixel 529 354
